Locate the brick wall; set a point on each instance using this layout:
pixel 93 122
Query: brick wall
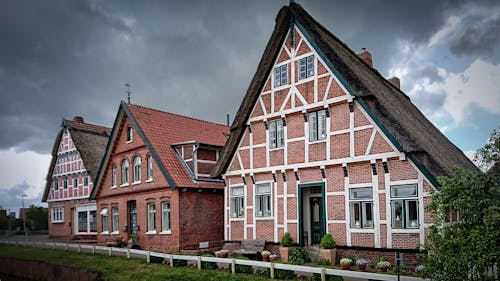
pixel 65 229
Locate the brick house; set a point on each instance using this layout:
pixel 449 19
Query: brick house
pixel 76 155
pixel 154 181
pixel 322 143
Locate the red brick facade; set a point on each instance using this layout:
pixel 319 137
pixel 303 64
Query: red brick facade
pixel 350 156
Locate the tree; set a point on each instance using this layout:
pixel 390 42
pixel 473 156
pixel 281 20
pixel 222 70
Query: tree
pixel 37 218
pixel 467 248
pixel 488 157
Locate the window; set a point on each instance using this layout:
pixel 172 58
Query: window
pixel 104 219
pixel 404 206
pixel 237 202
pixel 57 214
pixel 276 136
pixel 361 207
pixel 306 67
pixel 56 183
pixel 85 179
pixel 263 200
pixel 75 180
pixel 114 222
pixel 129 134
pixel 65 182
pixel 125 171
pixel 113 176
pixel 281 75
pixel 137 169
pixel 151 217
pixel 317 125
pixel 165 216
pixel 150 167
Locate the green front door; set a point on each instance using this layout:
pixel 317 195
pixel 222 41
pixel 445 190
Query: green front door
pixel 317 220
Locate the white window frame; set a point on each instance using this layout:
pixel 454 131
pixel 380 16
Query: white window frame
pixel 65 182
pixel 165 218
pixel 130 135
pixel 104 221
pixel 237 201
pixel 276 134
pixel 263 200
pixel 150 168
pixel 306 67
pixel 137 169
pixel 57 214
pixel 56 183
pixel 125 172
pixel 85 178
pixel 114 220
pixel 75 180
pixel 317 125
pixel 281 75
pixel 113 176
pixel 362 204
pixel 404 201
pixel 151 218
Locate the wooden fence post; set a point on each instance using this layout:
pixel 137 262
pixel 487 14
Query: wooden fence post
pixel 93 250
pixel 272 270
pixel 233 266
pixel 199 263
pixel 128 253
pixel 148 258
pixel 171 260
pixel 323 274
pixel 109 250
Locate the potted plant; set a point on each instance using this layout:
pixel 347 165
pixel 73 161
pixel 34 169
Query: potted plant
pixel 345 263
pixel 273 258
pixel 222 254
pixel 285 245
pixel 265 255
pixel 132 241
pixel 383 265
pixel 361 263
pixel 328 251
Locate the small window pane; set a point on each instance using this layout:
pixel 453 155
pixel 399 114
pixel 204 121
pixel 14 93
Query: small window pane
pixel 407 190
pixel 263 188
pixel 397 214
pixel 284 75
pixel 412 217
pixel 235 191
pixel 361 193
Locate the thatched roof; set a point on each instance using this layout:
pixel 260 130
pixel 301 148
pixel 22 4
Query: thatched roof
pixel 404 124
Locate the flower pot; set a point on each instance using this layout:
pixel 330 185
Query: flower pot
pixel 265 258
pixel 362 267
pixel 345 266
pixel 329 254
pixel 224 254
pixel 284 253
pixel 134 246
pixel 383 269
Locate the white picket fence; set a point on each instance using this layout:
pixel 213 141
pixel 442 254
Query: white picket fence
pixel 94 249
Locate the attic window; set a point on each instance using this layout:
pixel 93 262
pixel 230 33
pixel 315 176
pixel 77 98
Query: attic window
pixel 129 134
pixel 306 67
pixel 281 75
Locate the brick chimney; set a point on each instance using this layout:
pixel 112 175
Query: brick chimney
pixel 395 82
pixel 78 119
pixel 366 56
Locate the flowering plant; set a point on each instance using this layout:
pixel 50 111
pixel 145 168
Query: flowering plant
pixel 345 261
pixel 361 262
pixel 383 264
pixel 266 253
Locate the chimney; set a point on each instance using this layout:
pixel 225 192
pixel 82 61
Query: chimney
pixel 78 119
pixel 395 82
pixel 366 57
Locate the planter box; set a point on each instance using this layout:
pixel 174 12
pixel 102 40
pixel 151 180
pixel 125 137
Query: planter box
pixel 329 254
pixel 284 251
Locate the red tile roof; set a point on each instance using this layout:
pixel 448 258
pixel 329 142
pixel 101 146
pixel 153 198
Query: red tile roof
pixel 162 129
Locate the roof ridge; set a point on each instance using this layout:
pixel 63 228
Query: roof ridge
pixel 176 114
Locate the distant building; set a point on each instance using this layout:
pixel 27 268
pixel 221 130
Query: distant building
pixel 154 181
pixel 76 155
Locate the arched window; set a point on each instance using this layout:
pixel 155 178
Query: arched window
pixel 125 171
pixel 129 134
pixel 137 169
pixel 113 176
pixel 150 167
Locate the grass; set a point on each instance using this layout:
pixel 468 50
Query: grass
pixel 120 268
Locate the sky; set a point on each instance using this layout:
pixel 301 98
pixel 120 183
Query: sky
pixel 62 58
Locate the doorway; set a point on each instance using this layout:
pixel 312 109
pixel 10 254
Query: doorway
pixel 312 219
pixel 132 211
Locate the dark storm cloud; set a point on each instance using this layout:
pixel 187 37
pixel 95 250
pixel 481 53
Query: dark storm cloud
pixel 10 198
pixel 480 39
pixel 64 58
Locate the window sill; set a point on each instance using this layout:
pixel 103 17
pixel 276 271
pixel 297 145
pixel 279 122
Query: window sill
pixel 277 148
pixel 105 233
pixel 149 180
pixel 115 233
pixel 317 141
pixel 237 219
pixel 125 184
pixel 362 230
pixel 136 183
pixel 405 230
pixel 165 232
pixel 114 186
pixel 151 232
pixel 129 141
pixel 264 218
pixel 57 221
pixel 281 87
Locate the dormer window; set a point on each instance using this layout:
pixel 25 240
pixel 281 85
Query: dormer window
pixel 129 134
pixel 306 67
pixel 137 169
pixel 281 75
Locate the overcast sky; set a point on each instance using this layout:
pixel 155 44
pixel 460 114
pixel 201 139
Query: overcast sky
pixel 64 58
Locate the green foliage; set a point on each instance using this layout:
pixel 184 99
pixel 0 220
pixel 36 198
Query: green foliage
pixel 466 249
pixel 287 240
pixel 283 274
pixel 120 242
pixel 327 242
pixel 352 258
pixel 323 263
pixel 208 265
pixel 153 259
pixel 239 268
pixel 37 218
pixel 298 256
pixel 180 263
pixel 317 277
pixel 489 154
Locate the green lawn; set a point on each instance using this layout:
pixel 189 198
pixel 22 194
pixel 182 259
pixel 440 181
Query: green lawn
pixel 118 268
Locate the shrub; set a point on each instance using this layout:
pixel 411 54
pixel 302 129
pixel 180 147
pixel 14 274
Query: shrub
pixel 208 265
pixel 120 242
pixel 287 240
pixel 298 256
pixel 153 259
pixel 327 242
pixel 179 263
pixel 323 263
pixel 317 277
pixel 239 268
pixel 282 273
